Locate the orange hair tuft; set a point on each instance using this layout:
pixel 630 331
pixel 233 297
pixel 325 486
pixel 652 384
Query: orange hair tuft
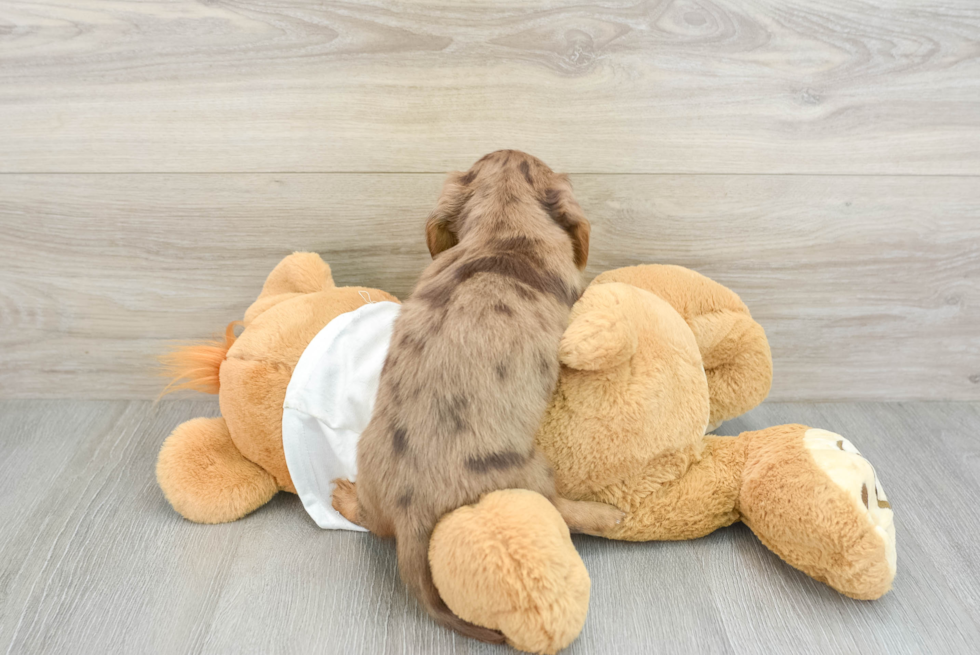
pixel 197 364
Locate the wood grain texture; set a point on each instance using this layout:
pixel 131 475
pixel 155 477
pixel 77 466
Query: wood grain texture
pixel 868 287
pixel 618 86
pixel 93 560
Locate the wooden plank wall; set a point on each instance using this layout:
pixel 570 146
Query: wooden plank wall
pixel 821 158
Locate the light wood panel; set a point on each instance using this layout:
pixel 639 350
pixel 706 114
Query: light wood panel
pixel 93 560
pixel 772 86
pixel 868 287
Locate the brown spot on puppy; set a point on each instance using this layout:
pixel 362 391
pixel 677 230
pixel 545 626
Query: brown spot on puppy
pixel 544 364
pixel 470 434
pixel 523 291
pixel 526 170
pixel 438 296
pixel 409 343
pixel 399 441
pixel 519 246
pixel 549 375
pixel 495 462
pixel 520 269
pixel 451 412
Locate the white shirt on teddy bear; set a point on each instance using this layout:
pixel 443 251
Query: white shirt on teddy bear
pixel 328 404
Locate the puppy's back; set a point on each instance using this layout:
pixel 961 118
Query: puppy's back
pixel 471 368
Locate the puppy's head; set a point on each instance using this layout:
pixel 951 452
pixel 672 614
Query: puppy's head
pixel 509 177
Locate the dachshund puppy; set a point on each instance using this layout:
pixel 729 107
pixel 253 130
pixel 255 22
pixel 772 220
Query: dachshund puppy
pixel 472 365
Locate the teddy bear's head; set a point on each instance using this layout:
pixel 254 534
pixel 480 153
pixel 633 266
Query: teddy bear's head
pixel 632 389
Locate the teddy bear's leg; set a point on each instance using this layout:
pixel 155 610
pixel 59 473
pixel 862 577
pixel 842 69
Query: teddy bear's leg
pixel 736 354
pixel 346 501
pixel 205 477
pixel 299 273
pixel 737 362
pixel 694 495
pixel 812 498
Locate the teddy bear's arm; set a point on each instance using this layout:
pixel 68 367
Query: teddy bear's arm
pixel 597 340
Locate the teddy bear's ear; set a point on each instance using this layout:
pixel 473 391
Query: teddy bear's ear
pixel 300 272
pixel 597 340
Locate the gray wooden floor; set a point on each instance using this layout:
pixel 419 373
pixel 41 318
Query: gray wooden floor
pixel 94 560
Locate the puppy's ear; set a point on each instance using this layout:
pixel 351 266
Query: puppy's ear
pixel 565 211
pixel 580 242
pixel 442 226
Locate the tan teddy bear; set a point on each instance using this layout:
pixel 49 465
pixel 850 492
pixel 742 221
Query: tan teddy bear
pixel 654 356
pixel 625 428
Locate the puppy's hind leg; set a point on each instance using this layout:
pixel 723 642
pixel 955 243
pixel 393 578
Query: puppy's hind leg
pixel 356 510
pixel 581 516
pixel 345 499
pixel 587 517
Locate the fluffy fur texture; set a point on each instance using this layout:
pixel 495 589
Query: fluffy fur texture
pixel 473 363
pixel 734 347
pixel 508 563
pixel 205 477
pixel 784 487
pixel 632 403
pixel 626 427
pixel 196 366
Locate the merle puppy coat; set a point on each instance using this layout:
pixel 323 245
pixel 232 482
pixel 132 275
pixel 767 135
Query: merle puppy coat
pixel 473 363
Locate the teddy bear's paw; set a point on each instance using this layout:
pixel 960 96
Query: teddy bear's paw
pixel 849 470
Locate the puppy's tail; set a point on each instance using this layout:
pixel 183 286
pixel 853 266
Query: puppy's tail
pixel 413 563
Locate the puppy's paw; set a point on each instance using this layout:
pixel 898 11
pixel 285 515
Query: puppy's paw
pixel 345 499
pixel 587 517
pixel 604 518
